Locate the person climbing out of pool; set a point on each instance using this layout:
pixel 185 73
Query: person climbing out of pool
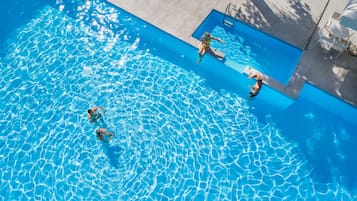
pixel 104 135
pixel 258 84
pixel 94 115
pixel 206 46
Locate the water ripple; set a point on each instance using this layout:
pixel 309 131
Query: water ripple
pixel 176 138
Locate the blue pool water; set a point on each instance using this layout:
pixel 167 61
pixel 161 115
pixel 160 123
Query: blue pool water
pixel 246 46
pixel 183 131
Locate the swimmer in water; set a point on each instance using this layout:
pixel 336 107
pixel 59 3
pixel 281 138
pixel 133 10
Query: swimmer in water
pixel 94 115
pixel 104 135
pixel 258 84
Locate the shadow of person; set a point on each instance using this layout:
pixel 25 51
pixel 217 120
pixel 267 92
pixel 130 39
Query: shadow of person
pixel 113 153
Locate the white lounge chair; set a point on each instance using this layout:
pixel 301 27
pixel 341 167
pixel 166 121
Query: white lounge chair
pixel 334 36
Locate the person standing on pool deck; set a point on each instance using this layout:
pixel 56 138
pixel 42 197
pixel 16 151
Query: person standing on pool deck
pixel 94 115
pixel 206 45
pixel 258 84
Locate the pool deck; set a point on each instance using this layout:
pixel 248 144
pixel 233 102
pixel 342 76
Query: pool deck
pixel 296 22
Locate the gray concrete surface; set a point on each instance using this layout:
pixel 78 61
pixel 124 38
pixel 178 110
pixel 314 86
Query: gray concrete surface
pixel 291 21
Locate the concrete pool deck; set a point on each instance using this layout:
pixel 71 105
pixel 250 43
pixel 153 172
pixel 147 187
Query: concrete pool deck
pixel 296 22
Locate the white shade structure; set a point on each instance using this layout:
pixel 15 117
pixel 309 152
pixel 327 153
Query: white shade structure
pixel 349 15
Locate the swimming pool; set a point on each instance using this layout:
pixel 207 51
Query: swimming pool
pixel 247 46
pixel 183 131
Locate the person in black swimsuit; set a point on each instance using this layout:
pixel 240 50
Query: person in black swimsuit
pixel 258 84
pixel 206 45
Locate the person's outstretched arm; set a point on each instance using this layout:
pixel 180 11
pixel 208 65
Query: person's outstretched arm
pixel 217 39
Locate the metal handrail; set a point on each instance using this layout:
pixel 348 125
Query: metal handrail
pixel 227 13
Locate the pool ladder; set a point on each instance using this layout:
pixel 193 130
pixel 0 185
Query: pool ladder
pixel 231 12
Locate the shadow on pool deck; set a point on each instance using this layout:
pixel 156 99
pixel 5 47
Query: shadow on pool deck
pixel 284 24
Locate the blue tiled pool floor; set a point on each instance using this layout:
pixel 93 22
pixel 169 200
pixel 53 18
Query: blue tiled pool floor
pixel 176 138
